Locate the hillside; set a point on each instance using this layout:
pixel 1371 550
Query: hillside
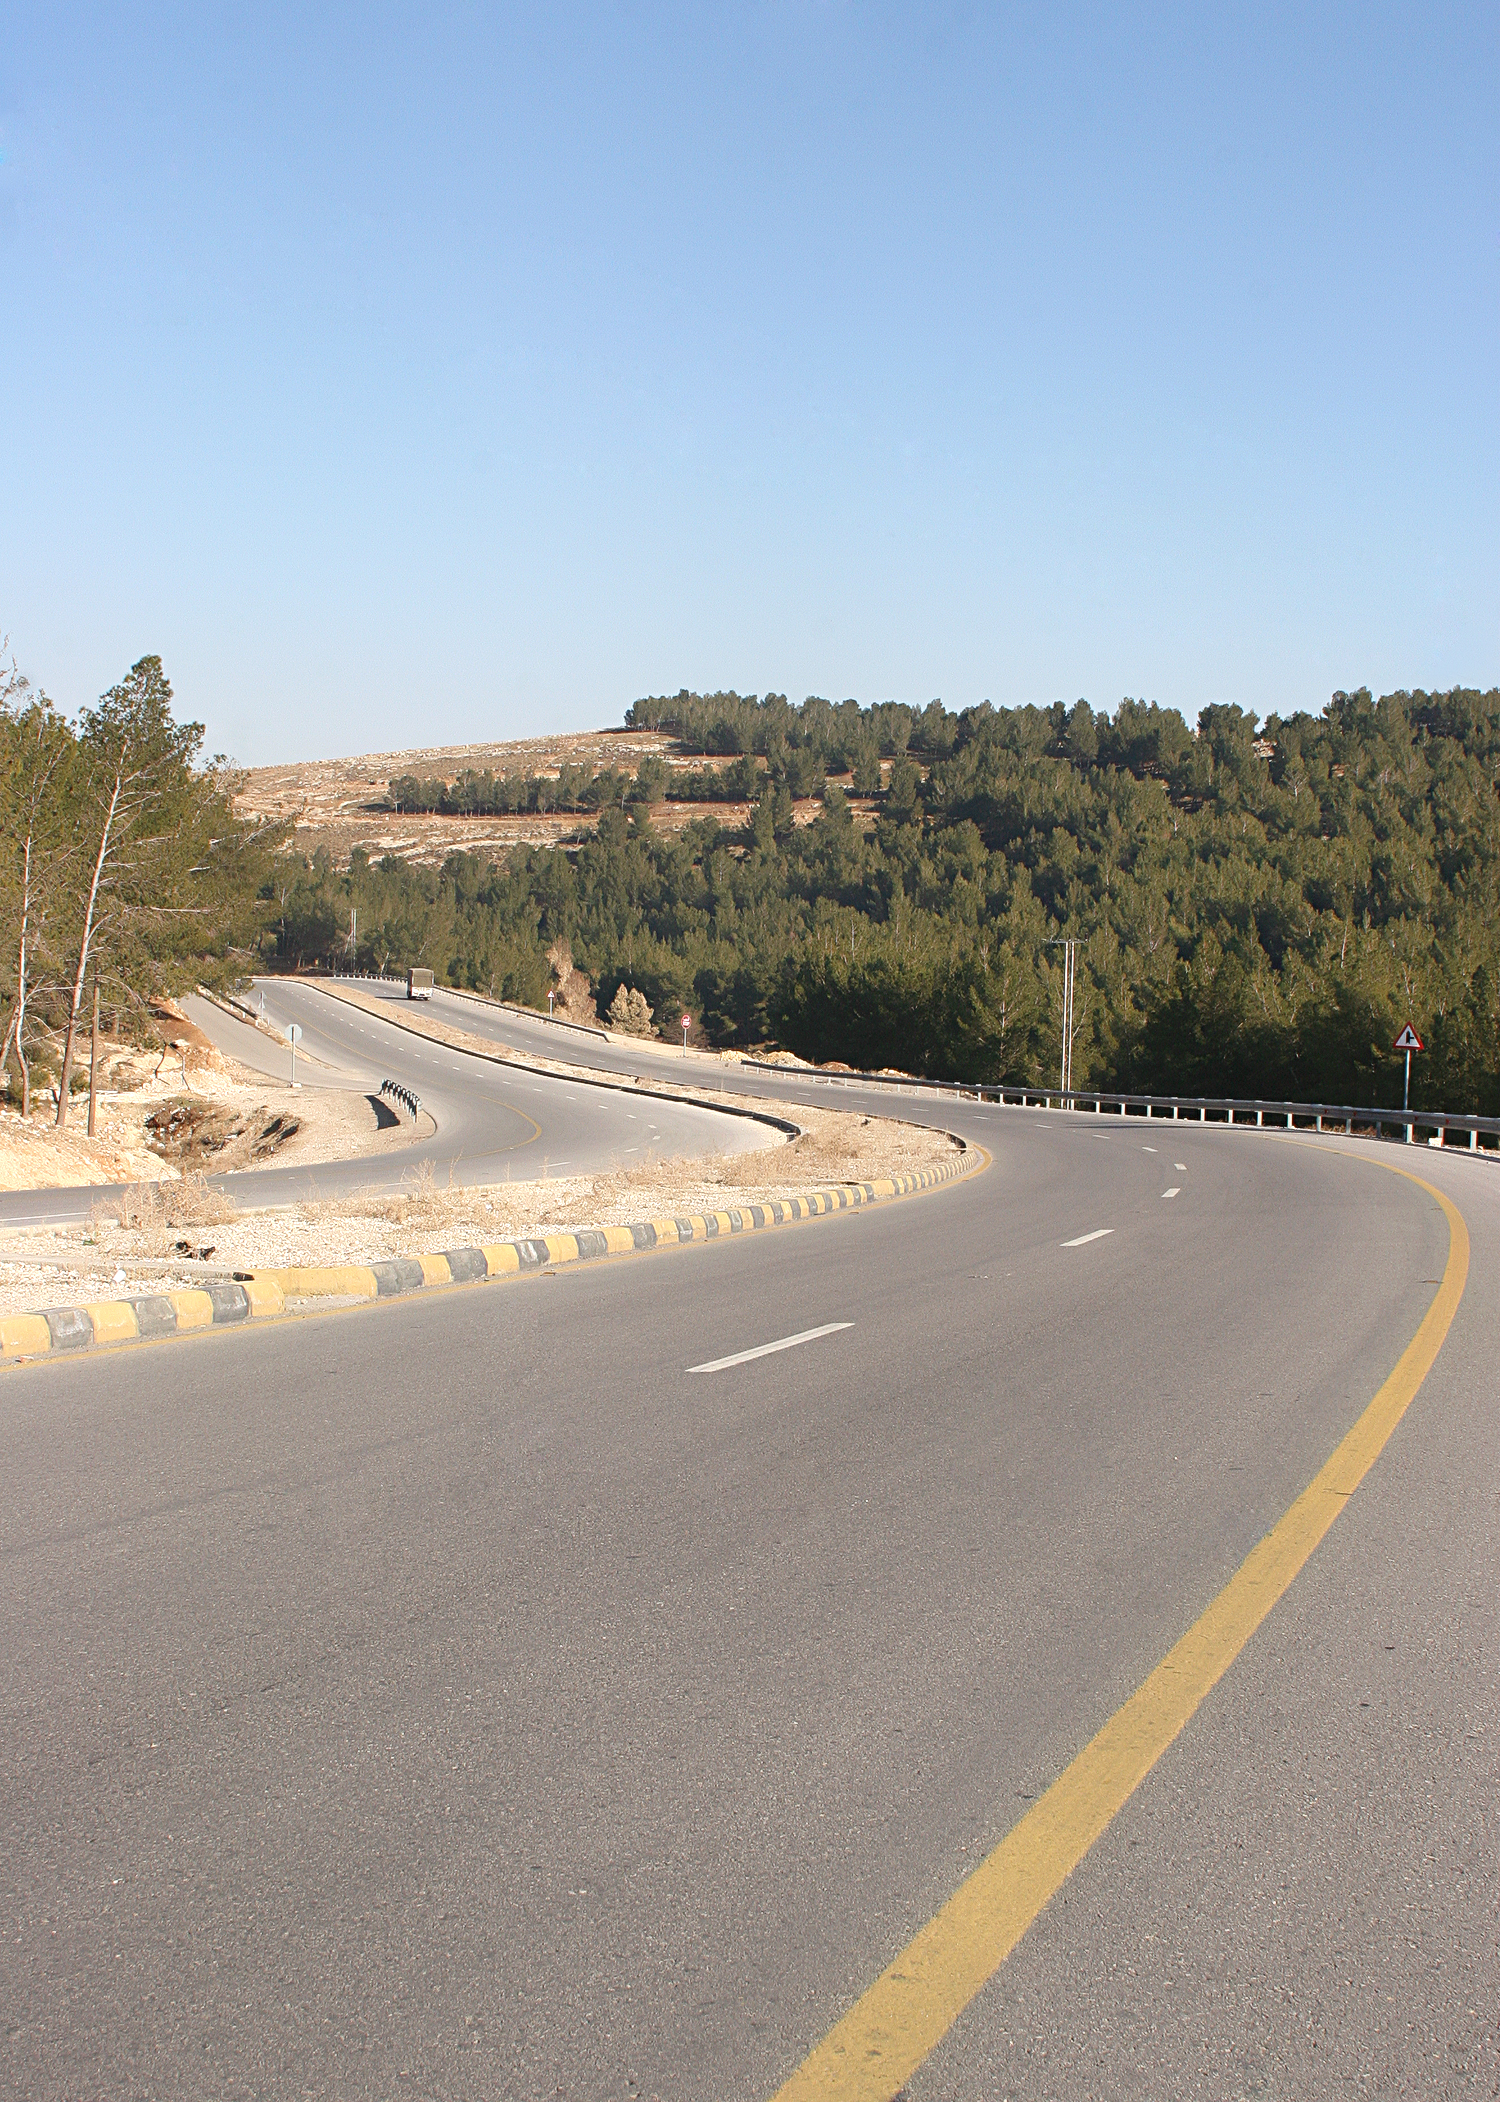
pixel 338 805
pixel 1259 908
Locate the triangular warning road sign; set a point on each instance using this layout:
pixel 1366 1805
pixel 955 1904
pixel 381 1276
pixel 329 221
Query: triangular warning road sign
pixel 1408 1040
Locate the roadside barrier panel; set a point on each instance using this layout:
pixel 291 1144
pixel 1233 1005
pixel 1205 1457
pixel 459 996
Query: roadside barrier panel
pixel 398 1093
pixel 1446 1127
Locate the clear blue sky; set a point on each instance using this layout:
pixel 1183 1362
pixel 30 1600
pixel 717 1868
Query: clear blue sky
pixel 423 375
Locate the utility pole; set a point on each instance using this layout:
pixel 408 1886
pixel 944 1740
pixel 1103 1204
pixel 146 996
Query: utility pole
pixel 353 925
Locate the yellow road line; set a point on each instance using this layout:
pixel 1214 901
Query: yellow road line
pixel 871 2054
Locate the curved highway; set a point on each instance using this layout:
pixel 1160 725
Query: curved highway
pixel 530 1690
pixel 493 1123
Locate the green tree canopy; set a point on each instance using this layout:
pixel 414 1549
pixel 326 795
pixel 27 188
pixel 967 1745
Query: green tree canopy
pixel 1258 910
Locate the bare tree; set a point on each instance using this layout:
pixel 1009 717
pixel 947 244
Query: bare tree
pixel 140 759
pixel 36 745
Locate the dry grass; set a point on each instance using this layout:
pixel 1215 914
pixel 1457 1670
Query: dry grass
pixel 153 1207
pixel 837 1151
pixel 420 1199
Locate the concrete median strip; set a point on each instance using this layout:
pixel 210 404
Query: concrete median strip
pixel 269 1293
pixel 66 1328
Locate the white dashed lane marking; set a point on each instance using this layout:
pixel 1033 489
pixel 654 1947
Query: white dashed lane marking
pixel 761 1350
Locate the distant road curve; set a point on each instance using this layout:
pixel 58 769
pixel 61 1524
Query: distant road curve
pixel 493 1123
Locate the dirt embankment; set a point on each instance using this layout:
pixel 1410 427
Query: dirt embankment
pixel 181 1108
pixel 162 1132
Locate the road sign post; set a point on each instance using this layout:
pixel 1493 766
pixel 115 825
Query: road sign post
pixel 687 1023
pixel 1408 1041
pixel 294 1037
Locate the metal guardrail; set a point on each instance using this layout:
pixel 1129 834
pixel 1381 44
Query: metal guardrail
pixel 1201 1109
pixel 1352 1118
pixel 403 1095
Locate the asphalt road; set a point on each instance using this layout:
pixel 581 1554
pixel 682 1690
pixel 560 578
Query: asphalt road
pixel 493 1123
pixel 467 1698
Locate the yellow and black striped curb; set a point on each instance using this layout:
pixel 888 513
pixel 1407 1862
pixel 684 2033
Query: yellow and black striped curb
pixel 268 1293
pixel 129 1320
